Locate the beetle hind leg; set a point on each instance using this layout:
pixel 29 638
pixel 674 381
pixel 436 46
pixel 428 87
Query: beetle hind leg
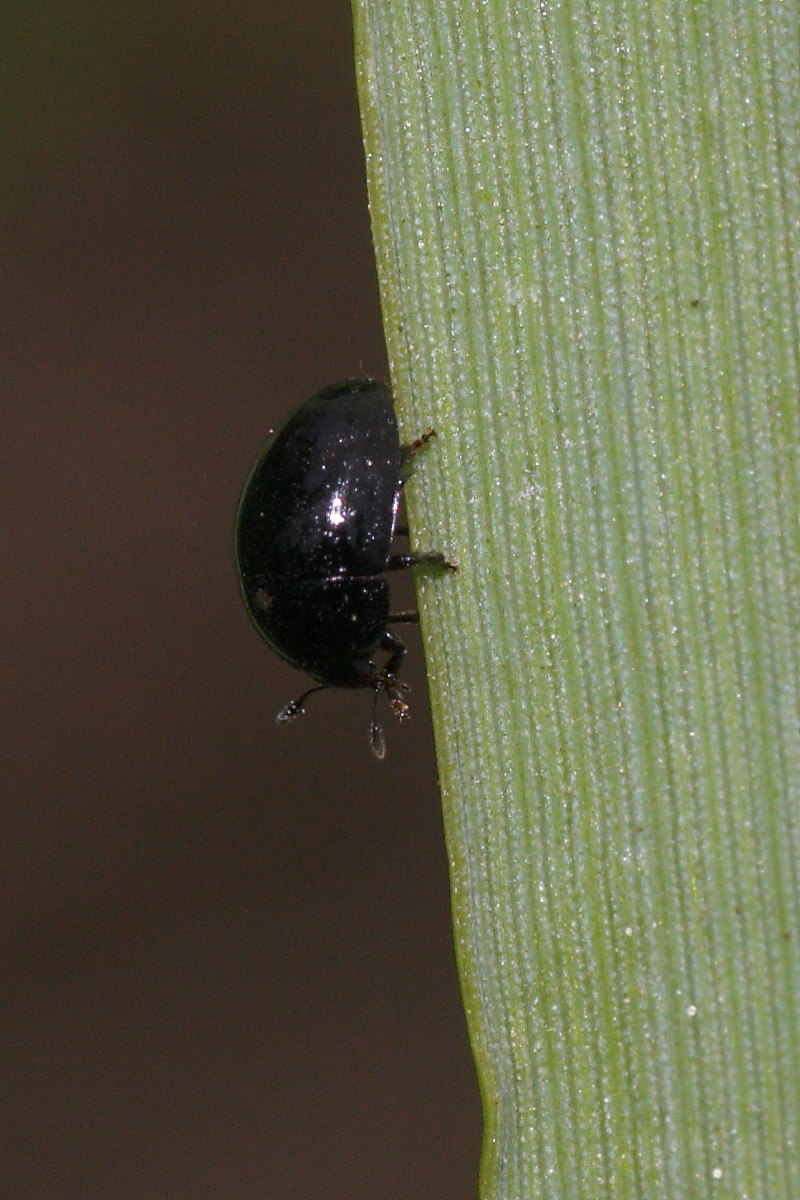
pixel 397 652
pixel 388 681
pixel 377 741
pixel 394 690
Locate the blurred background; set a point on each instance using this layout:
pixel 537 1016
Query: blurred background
pixel 227 966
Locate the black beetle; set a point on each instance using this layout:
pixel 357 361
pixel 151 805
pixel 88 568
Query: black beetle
pixel 314 540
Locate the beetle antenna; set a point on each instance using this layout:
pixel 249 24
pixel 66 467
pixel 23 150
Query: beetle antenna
pixel 376 739
pixel 295 707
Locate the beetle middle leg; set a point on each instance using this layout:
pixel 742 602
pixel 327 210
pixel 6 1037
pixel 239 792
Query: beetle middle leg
pixel 398 562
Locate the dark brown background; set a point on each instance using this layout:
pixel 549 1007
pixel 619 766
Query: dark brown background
pixel 226 955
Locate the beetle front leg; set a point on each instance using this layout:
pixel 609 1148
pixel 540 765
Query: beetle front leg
pixel 425 558
pixel 408 451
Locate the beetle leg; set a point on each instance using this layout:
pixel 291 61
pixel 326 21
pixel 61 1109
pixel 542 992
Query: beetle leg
pixel 376 739
pixel 388 680
pixel 404 618
pixel 397 652
pixel 394 690
pixel 401 531
pixel 295 707
pixel 407 452
pixel 426 558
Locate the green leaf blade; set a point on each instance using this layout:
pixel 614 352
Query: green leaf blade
pixel 586 223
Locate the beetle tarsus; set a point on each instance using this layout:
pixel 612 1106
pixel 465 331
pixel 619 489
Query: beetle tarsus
pixel 399 707
pixel 396 690
pixel 411 448
pixel 295 707
pixel 377 741
pixel 424 558
pixel 289 712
